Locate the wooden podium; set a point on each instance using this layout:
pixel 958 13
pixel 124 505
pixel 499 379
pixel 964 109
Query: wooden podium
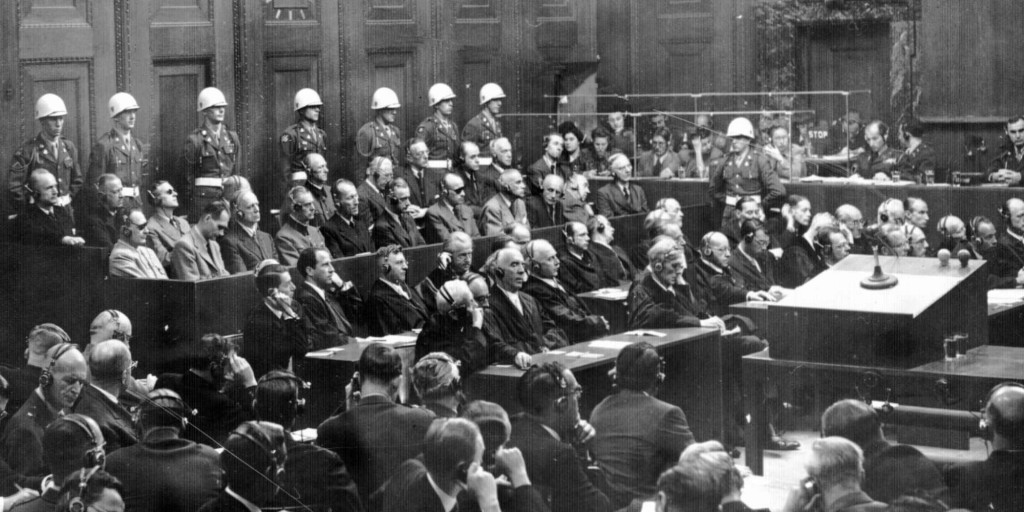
pixel 832 319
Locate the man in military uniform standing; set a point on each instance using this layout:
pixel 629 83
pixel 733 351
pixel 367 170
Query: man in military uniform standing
pixel 484 127
pixel 47 150
pixel 744 172
pixel 212 153
pixel 381 137
pixel 303 137
pixel 439 131
pixel 119 153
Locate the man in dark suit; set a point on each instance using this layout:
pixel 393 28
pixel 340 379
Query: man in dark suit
pixel 393 306
pixel 514 326
pixel 110 365
pixel 98 211
pixel 568 313
pixel 331 303
pixel 714 280
pixel 620 197
pixel 632 453
pixel 546 165
pixel 805 257
pixel 396 225
pixel 314 478
pixel 611 261
pixel 371 202
pixel 753 266
pixel 276 331
pixel 467 166
pixel 501 160
pixel 244 246
pixel 578 271
pixel 254 459
pixel 423 181
pixel 345 233
pixel 507 207
pixel 450 213
pixel 219 385
pixel 545 210
pixel 456 327
pixel 22 382
pixel 71 443
pixel 453 263
pixel 372 453
pixel 1007 257
pixel 438 382
pixel 163 472
pixel 48 222
pixel 548 432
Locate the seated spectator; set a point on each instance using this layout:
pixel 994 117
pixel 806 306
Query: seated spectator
pixel 507 207
pixel 983 237
pixel 547 432
pixel 545 209
pixel 314 479
pixel 954 236
pixel 546 165
pixel 437 382
pixel 574 159
pixel 453 263
pixel 890 470
pixel 235 186
pixel 98 212
pixel 514 326
pixel 48 222
pixel 456 327
pixel 110 365
pixel 620 197
pixel 163 472
pixel 277 330
pixel 891 211
pixel 243 245
pixel 917 212
pixel 396 225
pixel 519 234
pixel 372 203
pixel 852 222
pixel 316 184
pixel 917 239
pixel 714 455
pixel 660 161
pixel 568 313
pixel 578 271
pixel 130 257
pixel 371 453
pixel 794 221
pixel 163 225
pixel 1007 257
pixel 805 258
pixel 995 484
pixel 602 148
pixel 574 199
pixel 393 307
pixel 501 153
pixel 835 468
pixel 22 382
pixel 751 264
pixel 330 303
pixel 785 157
pixel 70 444
pixel 345 233
pixel 638 436
pixel 747 208
pixel 672 207
pixel 197 255
pixel 254 460
pixel 706 154
pixel 93 489
pixel 297 231
pixel 1007 166
pixel 450 214
pixel 466 165
pixel 894 240
pixel 611 261
pixel 714 280
pixel 656 223
pixel 60 384
pixel 420 175
pixel 219 384
pixel 878 161
pixel 452 453
pixel 698 485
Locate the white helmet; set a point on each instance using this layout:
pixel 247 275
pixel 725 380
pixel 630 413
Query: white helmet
pixel 490 92
pixel 384 98
pixel 120 102
pixel 50 105
pixel 439 93
pixel 211 97
pixel 740 127
pixel 307 98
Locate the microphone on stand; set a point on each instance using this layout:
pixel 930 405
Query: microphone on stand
pixel 878 280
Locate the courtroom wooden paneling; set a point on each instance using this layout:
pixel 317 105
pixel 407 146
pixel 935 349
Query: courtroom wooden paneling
pixel 848 58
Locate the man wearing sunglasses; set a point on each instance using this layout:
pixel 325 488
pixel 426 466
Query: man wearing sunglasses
pixel 130 256
pixel 197 255
pixel 545 210
pixel 450 214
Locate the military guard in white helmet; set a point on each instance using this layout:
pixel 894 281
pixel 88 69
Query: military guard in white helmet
pixel 120 152
pixel 303 137
pixel 380 137
pixel 439 131
pixel 212 153
pixel 485 127
pixel 47 150
pixel 744 171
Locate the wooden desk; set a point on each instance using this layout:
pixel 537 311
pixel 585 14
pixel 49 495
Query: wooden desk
pixel 961 385
pixel 606 302
pixel 693 376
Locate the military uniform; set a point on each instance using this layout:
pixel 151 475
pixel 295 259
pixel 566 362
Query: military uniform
pixel 915 164
pixel 38 153
pixel 482 130
pixel 113 154
pixel 442 138
pixel 208 160
pixel 745 175
pixel 376 139
pixel 1008 159
pixel 870 162
pixel 297 141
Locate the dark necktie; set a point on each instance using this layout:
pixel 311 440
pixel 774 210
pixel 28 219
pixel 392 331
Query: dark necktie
pixel 339 317
pixel 657 166
pixel 625 192
pixel 554 168
pixel 551 212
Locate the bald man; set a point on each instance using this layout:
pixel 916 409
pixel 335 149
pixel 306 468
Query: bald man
pixel 507 207
pixel 714 280
pixel 110 364
pixel 346 233
pixel 46 221
pixel 450 214
pixel 995 483
pixel 22 439
pixel 545 210
pixel 456 327
pixel 568 313
pixel 244 246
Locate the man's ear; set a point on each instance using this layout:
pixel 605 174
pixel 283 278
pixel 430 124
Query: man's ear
pixel 660 502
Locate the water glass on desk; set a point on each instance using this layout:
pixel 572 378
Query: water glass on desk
pixel 962 339
pixel 895 175
pixel 949 347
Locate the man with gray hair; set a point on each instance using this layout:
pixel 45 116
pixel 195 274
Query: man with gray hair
pixel 507 207
pixel 453 263
pixel 297 229
pixel 244 246
pixel 568 313
pixel 501 153
pixel 835 469
pixel 395 226
pixel 545 209
pixel 456 327
pixel 851 223
pixel 449 214
pixel 110 366
pixel 574 202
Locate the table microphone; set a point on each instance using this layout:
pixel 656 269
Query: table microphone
pixel 964 257
pixel 879 280
pixel 943 256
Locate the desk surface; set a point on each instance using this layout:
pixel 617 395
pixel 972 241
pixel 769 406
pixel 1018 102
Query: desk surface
pixel 352 351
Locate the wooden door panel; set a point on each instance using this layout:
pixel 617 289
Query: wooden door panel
pixel 395 71
pixel 70 81
pixel 177 86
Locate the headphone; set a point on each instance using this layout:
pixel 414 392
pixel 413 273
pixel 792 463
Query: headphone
pixel 988 428
pixel 446 295
pixel 455 386
pixel 705 243
pixel 96 457
pixel 1004 211
pixel 534 264
pixel 167 395
pixel 942 226
pixel 659 376
pixel 48 328
pixel 77 504
pixel 287 376
pixel 978 220
pixel 46 377
pixel 115 318
pixel 883 213
pixel 265 445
